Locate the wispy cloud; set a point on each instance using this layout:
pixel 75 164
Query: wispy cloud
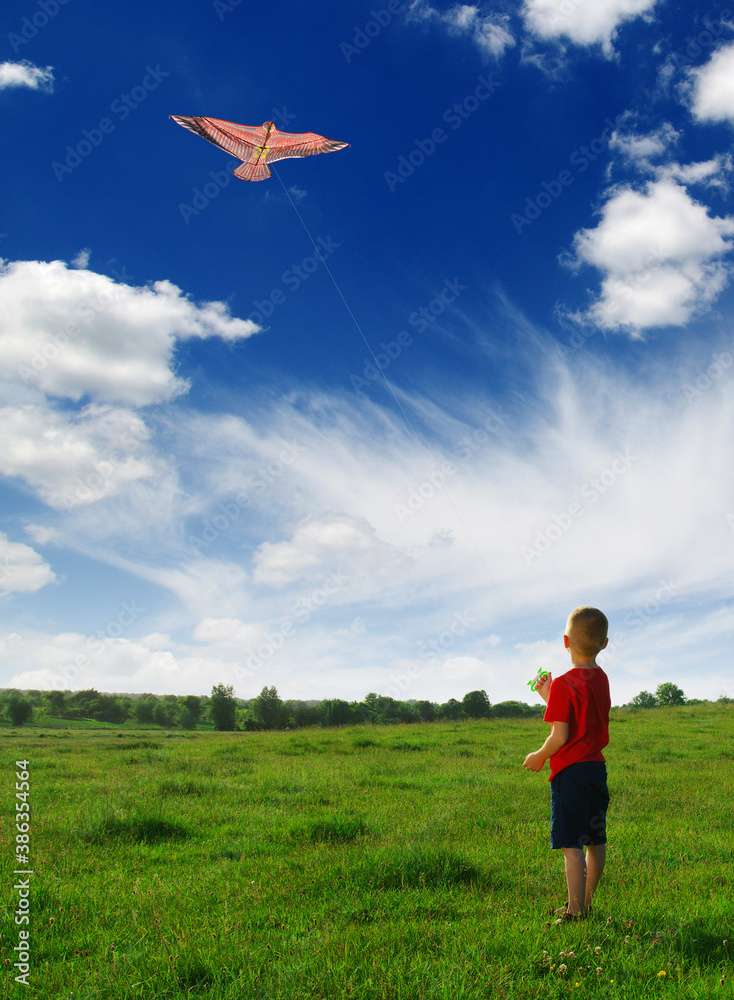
pixel 25 74
pixel 489 32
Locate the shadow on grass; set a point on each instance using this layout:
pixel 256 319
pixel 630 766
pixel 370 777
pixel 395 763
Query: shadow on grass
pixel 181 788
pixel 138 745
pixel 193 975
pixel 397 868
pixel 339 829
pixel 110 828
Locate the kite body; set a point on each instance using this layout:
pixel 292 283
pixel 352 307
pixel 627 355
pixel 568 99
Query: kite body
pixel 257 145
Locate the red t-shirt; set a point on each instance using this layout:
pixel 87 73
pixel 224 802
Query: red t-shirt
pixel 580 697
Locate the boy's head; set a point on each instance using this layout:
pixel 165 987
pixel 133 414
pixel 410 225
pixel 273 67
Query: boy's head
pixel 586 631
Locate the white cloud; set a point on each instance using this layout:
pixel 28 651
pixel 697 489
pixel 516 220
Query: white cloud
pixel 71 460
pixel 22 568
pixel 641 149
pixel 25 74
pixel 660 254
pixel 81 261
pixel 228 633
pixel 42 534
pixel 711 87
pixel 488 32
pixel 584 22
pixel 75 333
pixel 72 661
pixel 325 544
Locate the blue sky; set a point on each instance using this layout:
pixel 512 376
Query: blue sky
pixel 379 422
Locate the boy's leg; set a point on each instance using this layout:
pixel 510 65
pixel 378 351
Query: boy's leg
pixel 596 855
pixel 575 880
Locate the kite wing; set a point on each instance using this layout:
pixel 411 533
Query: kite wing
pixel 284 145
pixel 257 145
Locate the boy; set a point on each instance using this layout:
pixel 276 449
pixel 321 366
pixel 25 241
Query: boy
pixel 578 710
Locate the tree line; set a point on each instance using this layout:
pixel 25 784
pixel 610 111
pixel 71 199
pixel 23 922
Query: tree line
pixel 221 710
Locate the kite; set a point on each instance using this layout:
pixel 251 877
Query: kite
pixel 257 145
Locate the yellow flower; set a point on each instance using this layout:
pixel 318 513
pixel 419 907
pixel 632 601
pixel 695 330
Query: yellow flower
pixel 662 973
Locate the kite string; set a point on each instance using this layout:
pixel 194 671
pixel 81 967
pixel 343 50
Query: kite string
pixel 398 403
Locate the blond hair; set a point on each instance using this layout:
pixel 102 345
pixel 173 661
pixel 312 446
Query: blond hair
pixel 587 630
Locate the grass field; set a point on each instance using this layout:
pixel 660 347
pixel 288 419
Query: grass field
pixel 400 862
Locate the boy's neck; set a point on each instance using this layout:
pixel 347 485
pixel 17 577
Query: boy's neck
pixel 582 663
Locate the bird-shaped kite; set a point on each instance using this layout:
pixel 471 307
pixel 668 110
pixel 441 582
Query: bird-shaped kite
pixel 257 145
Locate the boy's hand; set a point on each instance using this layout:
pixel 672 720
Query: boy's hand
pixel 534 761
pixel 543 687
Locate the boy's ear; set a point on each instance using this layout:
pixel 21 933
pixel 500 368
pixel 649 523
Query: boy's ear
pixel 605 643
pixel 566 641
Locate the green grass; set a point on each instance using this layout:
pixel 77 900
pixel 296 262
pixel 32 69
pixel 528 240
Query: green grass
pixel 387 863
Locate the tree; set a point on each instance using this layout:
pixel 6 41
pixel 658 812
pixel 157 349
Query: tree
pixel 163 714
pixel 144 708
pixel 452 709
pixel 644 700
pixel 189 711
pixel 19 711
pixel 55 702
pixel 222 707
pixel 338 712
pixel 268 710
pixel 515 710
pixel 476 705
pixel 426 710
pixel 670 694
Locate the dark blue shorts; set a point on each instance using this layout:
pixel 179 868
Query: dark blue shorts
pixel 579 801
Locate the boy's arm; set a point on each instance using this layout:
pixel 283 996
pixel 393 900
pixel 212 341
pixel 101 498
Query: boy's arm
pixel 558 738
